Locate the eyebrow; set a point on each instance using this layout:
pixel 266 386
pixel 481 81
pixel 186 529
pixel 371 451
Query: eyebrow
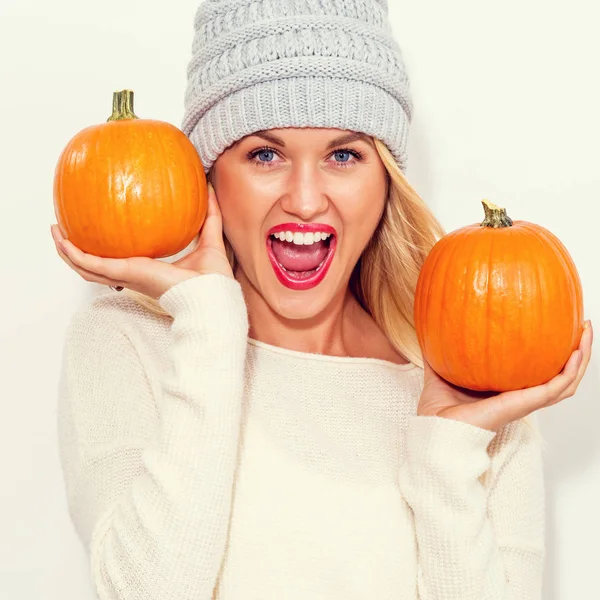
pixel 338 141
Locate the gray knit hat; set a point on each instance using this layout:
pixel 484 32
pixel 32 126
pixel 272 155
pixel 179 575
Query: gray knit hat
pixel 267 64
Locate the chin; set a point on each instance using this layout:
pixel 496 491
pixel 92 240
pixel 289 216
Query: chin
pixel 298 305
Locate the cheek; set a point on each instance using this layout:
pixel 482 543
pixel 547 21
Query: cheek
pixel 242 226
pixel 234 213
pixel 365 198
pixel 243 204
pixel 236 231
pixel 362 217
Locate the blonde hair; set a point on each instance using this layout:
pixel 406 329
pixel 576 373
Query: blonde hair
pixel 385 278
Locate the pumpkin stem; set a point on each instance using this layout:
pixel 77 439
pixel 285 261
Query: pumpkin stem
pixel 495 216
pixel 122 106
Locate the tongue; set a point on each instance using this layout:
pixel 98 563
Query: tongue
pixel 295 257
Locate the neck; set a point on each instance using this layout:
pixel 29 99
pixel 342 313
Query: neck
pixel 332 332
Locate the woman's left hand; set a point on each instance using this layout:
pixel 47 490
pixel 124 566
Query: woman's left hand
pixel 493 411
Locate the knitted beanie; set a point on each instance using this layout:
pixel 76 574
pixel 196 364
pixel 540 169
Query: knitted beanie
pixel 268 64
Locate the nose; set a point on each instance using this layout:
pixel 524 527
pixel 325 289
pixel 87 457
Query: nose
pixel 304 197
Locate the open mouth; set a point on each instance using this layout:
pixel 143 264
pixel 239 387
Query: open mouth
pixel 301 259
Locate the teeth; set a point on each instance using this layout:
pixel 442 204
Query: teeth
pixel 300 238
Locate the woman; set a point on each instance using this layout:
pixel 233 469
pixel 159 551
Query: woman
pixel 266 429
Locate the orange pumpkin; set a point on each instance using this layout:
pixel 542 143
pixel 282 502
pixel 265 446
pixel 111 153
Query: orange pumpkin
pixel 130 187
pixel 498 305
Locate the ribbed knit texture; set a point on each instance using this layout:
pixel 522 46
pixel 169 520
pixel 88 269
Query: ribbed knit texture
pixel 199 466
pixel 267 64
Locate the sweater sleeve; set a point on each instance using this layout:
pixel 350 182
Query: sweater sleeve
pixel 478 503
pixel 149 472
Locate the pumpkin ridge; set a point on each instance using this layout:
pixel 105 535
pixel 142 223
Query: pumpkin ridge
pixel 473 237
pixel 489 360
pixel 534 274
pixel 422 298
pixel 572 277
pixel 559 289
pixel 164 157
pixel 450 256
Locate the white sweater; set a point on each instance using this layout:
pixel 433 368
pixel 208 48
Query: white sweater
pixel 203 465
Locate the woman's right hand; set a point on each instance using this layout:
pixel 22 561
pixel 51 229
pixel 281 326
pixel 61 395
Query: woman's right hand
pixel 147 275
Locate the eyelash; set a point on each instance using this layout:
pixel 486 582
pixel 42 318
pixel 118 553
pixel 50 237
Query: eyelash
pixel 344 165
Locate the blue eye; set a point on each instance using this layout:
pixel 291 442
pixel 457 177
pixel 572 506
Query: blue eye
pixel 265 155
pixel 342 153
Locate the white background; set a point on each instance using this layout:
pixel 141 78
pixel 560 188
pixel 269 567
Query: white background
pixel 507 105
